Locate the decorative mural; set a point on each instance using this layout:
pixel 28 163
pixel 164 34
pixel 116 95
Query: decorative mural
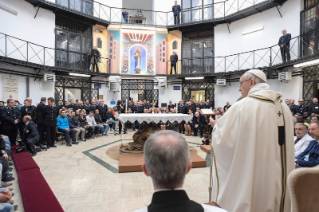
pixel 137 53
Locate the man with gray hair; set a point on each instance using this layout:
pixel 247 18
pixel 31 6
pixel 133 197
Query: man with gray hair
pixel 302 138
pixel 254 158
pixel 167 161
pixel 30 134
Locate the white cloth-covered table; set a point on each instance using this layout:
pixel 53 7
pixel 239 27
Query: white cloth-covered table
pixel 147 117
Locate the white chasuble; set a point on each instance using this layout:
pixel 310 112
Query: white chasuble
pixel 248 176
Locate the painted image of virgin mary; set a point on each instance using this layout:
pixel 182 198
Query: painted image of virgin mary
pixel 137 57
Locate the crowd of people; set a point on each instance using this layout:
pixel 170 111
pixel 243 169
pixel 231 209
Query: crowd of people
pixel 306 122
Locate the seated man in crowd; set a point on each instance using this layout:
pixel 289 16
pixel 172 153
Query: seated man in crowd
pixel 110 118
pixel 84 124
pixel 302 139
pixel 102 126
pixel 168 174
pixel 63 126
pixel 300 119
pixel 310 157
pixel 30 135
pixel 199 122
pixel 189 125
pixel 75 126
pixel 92 124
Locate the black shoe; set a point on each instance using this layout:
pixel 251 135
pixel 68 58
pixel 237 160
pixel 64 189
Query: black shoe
pixel 84 139
pixel 75 142
pixel 33 154
pixel 48 147
pixel 53 146
pixel 133 129
pixel 201 136
pixel 7 178
pixel 68 144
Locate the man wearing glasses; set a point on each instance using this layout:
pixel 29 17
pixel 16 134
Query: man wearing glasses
pixel 301 108
pixel 256 132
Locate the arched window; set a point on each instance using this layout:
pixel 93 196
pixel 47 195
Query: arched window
pixel 99 43
pixel 175 45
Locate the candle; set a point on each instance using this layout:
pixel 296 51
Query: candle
pixel 126 105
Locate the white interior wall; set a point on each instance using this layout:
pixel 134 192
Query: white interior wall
pixel 290 90
pixel 38 89
pixel 39 30
pixel 167 94
pixel 234 42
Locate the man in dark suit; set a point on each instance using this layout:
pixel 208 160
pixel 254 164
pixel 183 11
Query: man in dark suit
pixel 95 59
pixel 40 120
pixel 199 123
pixel 11 118
pixel 310 157
pixel 103 111
pixel 176 9
pixel 301 108
pixel 93 105
pixel 50 119
pixel 284 43
pixel 27 109
pixel 30 134
pixel 171 106
pixel 87 106
pixel 72 105
pixel 174 59
pixel 168 173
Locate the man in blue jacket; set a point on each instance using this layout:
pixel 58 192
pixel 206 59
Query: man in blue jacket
pixel 176 9
pixel 310 157
pixel 63 126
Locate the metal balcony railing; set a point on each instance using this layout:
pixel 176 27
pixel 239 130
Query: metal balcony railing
pixel 301 47
pixel 113 15
pixel 34 54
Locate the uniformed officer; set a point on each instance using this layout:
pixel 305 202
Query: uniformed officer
pixel 50 119
pixel 140 107
pixel 40 120
pixel 103 110
pixel 79 105
pixel 301 108
pixel 30 134
pixel 130 105
pixel 10 121
pixel 87 106
pixel 284 44
pixel 72 105
pixel 93 105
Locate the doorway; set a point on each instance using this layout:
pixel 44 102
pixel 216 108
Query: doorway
pixel 198 95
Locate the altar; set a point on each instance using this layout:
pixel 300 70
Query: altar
pixel 157 117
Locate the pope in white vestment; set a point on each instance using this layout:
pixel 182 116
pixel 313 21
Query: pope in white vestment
pixel 251 166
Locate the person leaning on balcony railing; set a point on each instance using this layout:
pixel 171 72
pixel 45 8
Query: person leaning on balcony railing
pixel 95 58
pixel 174 59
pixel 176 9
pixel 284 43
pixel 125 15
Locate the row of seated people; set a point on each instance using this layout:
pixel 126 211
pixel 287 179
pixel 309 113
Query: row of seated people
pixel 6 167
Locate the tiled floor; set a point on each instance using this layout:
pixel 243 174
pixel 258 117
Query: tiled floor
pixel 85 178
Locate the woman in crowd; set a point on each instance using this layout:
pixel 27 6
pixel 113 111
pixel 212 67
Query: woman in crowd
pixel 188 126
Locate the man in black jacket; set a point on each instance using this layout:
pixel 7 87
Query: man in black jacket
pixel 174 59
pixel 110 118
pixel 168 174
pixel 29 110
pixel 95 58
pixel 103 110
pixel 284 43
pixel 40 120
pixel 301 108
pixel 74 125
pixel 199 122
pixel 10 121
pixel 176 9
pixel 314 106
pixel 30 135
pixel 50 120
pixel 87 106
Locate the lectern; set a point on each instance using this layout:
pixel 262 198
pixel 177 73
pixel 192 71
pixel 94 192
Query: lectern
pixel 207 113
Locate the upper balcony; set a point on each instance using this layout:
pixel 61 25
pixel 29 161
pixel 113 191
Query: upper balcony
pixel 20 52
pixel 205 15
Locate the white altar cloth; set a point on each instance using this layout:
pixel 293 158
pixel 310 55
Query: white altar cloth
pixel 157 117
